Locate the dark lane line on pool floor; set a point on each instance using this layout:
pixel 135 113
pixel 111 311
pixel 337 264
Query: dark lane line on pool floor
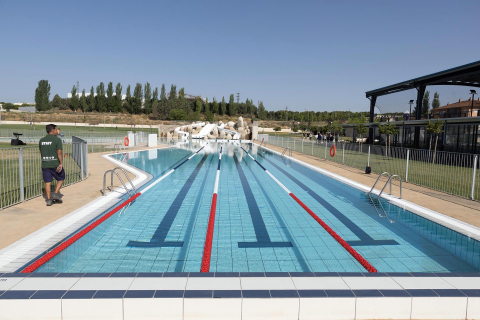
pixel 188 232
pixel 365 239
pixel 263 239
pixel 298 254
pixel 158 238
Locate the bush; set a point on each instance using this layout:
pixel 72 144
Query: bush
pixel 178 114
pixel 295 129
pixel 277 129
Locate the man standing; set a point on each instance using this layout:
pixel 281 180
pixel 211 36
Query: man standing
pixel 52 163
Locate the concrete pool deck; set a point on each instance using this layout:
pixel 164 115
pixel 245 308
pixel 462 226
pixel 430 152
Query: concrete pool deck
pixel 456 207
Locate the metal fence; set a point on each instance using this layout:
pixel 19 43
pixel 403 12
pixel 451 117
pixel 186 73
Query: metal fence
pixel 21 173
pixel 453 173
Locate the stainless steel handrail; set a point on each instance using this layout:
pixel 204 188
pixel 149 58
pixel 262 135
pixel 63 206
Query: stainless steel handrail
pixel 112 171
pixel 377 180
pixel 390 180
pixel 287 149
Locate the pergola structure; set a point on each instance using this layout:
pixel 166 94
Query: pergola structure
pixel 466 75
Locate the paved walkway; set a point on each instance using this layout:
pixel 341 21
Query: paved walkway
pixel 20 220
pixel 453 206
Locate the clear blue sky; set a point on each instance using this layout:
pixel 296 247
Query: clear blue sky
pixel 319 55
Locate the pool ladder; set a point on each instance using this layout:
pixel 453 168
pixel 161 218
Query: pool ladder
pixel 285 151
pixel 119 178
pixel 390 178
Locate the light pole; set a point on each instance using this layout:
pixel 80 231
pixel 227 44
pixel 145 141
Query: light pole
pixel 473 93
pixel 410 115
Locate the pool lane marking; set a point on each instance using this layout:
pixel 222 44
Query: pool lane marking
pixel 261 233
pixel 159 236
pixel 48 256
pixel 207 250
pixel 365 238
pixel 62 246
pixel 342 242
pixel 171 171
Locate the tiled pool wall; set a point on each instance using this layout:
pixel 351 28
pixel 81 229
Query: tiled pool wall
pixel 277 295
pixel 460 245
pixel 69 258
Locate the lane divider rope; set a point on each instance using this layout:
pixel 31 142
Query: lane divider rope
pixel 339 239
pixel 62 246
pixel 207 251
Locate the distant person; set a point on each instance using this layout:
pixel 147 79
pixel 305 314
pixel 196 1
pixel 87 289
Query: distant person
pixel 52 163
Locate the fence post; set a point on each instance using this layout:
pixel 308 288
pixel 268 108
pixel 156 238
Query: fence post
pixel 406 170
pixel 302 145
pixel 92 144
pixel 282 141
pixel 294 144
pixel 326 147
pixel 312 147
pixel 343 153
pixel 81 158
pixel 20 169
pixel 368 161
pixel 474 175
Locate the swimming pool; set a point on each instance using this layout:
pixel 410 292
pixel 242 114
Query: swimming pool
pixel 258 227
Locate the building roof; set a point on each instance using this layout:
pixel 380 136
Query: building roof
pixel 460 104
pixel 465 75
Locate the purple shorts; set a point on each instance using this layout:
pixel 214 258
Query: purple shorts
pixel 50 173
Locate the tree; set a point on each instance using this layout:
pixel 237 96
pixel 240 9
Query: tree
pixel 198 105
pixel 426 104
pixel 436 101
pixel 74 102
pixel 361 129
pixel 110 98
pixel 206 109
pixel 435 128
pixel 155 104
pixel 232 107
pixel 261 111
pixel 101 101
pixel 387 129
pixel 178 114
pixel 215 106
pixel 118 97
pixel 57 102
pixel 223 106
pixel 137 99
pixel 8 106
pixel 42 94
pixel 337 128
pixel 276 129
pixel 164 105
pixel 128 100
pixel 83 102
pixel 148 99
pixel 91 106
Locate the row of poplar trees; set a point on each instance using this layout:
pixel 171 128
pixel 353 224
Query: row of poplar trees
pixel 144 99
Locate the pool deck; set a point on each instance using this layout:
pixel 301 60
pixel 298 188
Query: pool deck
pixel 456 207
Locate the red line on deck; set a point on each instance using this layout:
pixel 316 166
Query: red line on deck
pixel 344 244
pixel 207 251
pixel 46 257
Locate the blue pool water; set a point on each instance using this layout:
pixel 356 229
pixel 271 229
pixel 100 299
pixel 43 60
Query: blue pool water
pixel 258 227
